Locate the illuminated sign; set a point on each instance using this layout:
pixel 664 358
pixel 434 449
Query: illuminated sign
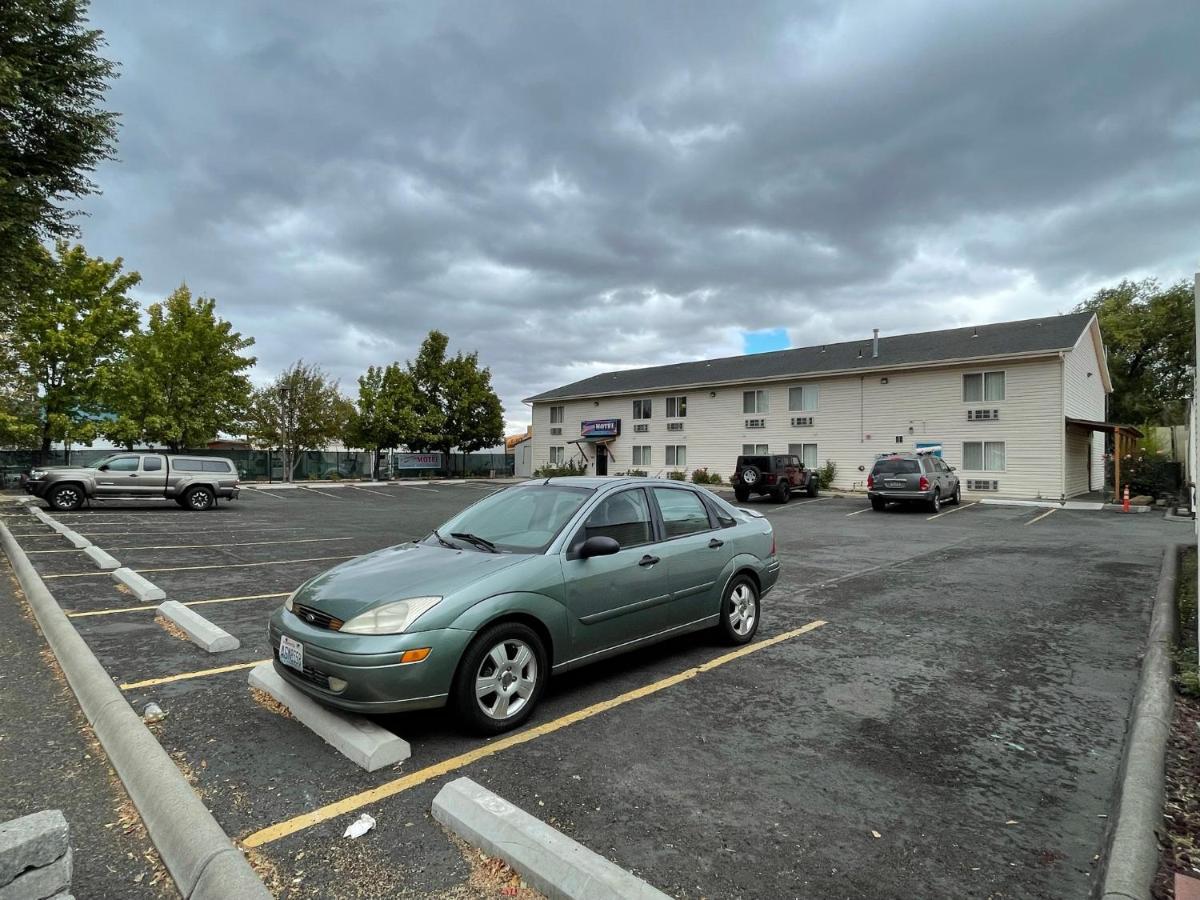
pixel 600 428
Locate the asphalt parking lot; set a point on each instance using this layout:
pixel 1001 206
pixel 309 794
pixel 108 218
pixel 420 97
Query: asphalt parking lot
pixel 949 724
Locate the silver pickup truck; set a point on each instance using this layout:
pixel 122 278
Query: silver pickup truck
pixel 194 482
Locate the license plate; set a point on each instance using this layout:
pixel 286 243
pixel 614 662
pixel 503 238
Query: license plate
pixel 291 652
pixel 896 484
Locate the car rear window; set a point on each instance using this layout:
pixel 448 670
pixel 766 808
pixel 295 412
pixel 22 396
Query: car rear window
pixel 762 462
pixel 896 466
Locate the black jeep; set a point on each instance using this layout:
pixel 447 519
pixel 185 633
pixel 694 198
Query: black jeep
pixel 780 476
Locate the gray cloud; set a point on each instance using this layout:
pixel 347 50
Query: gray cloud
pixel 574 188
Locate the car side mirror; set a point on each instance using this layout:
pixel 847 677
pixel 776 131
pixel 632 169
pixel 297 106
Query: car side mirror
pixel 598 546
pixel 104 468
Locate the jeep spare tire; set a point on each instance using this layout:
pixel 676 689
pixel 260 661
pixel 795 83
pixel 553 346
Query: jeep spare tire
pixel 751 475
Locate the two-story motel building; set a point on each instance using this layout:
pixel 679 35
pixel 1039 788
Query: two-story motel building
pixel 1017 407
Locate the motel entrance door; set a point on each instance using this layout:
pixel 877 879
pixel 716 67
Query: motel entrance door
pixel 601 460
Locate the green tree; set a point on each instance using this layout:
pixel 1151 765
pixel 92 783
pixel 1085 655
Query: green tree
pixel 183 378
pixel 1150 334
pixel 76 318
pixel 386 416
pixel 301 410
pixel 53 129
pixel 455 403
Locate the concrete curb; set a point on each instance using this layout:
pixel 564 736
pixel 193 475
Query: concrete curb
pixel 78 541
pixel 202 632
pixel 100 558
pixel 551 862
pixel 1172 515
pixel 1132 859
pixel 360 740
pixel 202 860
pixel 146 591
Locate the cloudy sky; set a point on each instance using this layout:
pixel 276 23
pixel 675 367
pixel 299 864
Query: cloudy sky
pixel 574 187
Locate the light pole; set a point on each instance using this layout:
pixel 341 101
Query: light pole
pixel 285 431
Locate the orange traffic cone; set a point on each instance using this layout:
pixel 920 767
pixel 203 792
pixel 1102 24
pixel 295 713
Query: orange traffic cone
pixel 1125 500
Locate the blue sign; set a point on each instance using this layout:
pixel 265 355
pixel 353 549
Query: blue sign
pixel 934 447
pixel 595 428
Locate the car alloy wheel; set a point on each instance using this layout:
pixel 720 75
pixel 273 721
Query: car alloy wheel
pixel 936 502
pixel 507 679
pixel 750 475
pixel 199 498
pixel 957 498
pixel 67 498
pixel 739 610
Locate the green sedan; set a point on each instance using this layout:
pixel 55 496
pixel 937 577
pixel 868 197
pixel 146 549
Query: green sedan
pixel 541 577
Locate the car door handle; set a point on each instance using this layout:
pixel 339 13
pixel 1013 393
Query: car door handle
pixel 714 544
pixel 648 560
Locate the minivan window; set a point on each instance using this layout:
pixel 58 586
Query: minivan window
pixel 896 466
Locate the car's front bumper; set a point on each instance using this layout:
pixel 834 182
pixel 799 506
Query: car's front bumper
pixel 376 682
pixel 37 488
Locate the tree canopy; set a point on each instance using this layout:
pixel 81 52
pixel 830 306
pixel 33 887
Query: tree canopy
pixel 53 129
pixel 75 319
pixel 182 379
pixel 301 410
pixel 1150 334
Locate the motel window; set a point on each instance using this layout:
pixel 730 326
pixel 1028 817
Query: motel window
pixel 641 409
pixel 983 456
pixel 754 402
pixel 983 387
pixel 803 399
pixel 558 456
pixel 676 455
pixel 806 452
pixel 556 415
pixel 641 456
pixel 677 407
pixel 755 450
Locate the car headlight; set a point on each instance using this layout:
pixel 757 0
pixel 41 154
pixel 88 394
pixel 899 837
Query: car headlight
pixel 287 604
pixel 36 474
pixel 391 618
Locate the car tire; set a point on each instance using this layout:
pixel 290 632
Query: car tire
pixel 783 493
pixel 741 494
pixel 200 499
pixel 814 486
pixel 936 503
pixel 481 661
pixel 751 476
pixel 878 505
pixel 956 497
pixel 65 497
pixel 740 610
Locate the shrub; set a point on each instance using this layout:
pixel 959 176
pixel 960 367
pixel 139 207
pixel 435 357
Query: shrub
pixel 567 469
pixel 636 473
pixel 714 478
pixel 700 476
pixel 827 473
pixel 677 475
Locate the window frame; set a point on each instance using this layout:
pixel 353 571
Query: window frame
pixel 660 523
pixel 679 402
pixel 983 456
pixel 643 408
pixel 562 456
pixel 754 451
pixel 982 375
pixel 805 390
pixel 646 450
pixel 816 453
pixel 557 414
pixel 668 449
pixel 758 410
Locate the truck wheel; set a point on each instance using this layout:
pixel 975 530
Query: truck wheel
pixel 783 493
pixel 814 485
pixel 66 497
pixel 741 494
pixel 200 498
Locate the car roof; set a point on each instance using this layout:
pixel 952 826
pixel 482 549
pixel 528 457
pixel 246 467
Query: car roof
pixel 602 483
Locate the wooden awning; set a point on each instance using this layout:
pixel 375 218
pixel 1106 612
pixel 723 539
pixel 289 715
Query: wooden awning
pixel 1106 427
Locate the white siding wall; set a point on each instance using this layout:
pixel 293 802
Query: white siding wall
pixel 1084 398
pixel 919 405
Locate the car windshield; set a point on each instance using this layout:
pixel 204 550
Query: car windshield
pixel 98 463
pixel 897 466
pixel 523 519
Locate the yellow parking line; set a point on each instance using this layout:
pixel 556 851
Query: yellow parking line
pixel 399 785
pixel 150 607
pixel 272 562
pixel 151 682
pixel 1042 516
pixel 959 508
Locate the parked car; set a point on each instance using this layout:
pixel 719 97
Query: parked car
pixel 194 482
pixel 912 478
pixel 535 579
pixel 778 475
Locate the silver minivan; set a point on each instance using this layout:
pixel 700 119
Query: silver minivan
pixel 912 478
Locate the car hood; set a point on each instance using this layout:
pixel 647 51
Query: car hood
pixel 397 573
pixel 58 470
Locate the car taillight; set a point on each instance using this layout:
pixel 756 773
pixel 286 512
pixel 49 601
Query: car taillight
pixel 870 482
pixel 770 479
pixel 923 484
